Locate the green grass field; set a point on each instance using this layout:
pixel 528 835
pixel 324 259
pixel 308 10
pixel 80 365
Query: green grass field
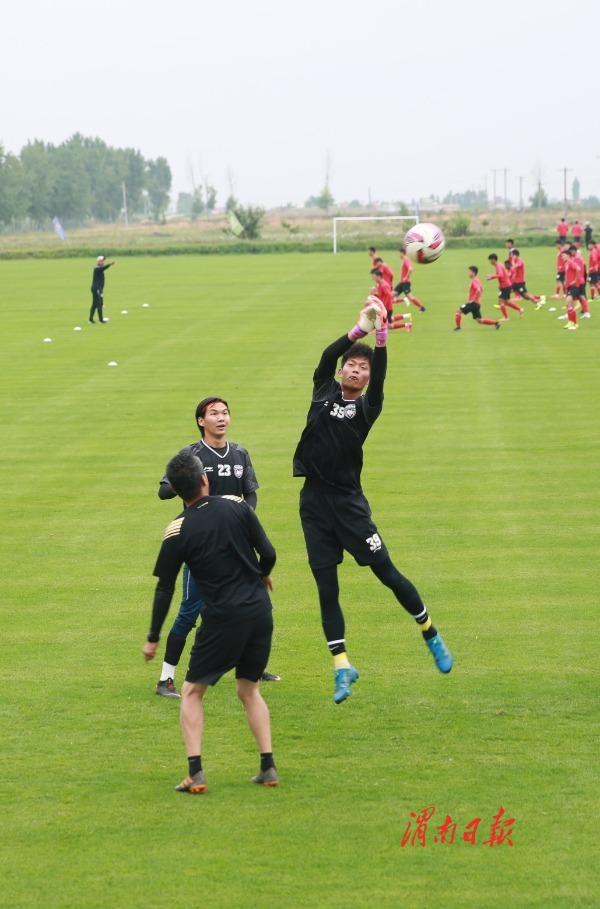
pixel 482 473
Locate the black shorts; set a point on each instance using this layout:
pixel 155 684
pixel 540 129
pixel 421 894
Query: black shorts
pixel 218 648
pixel 403 288
pixel 334 521
pixel 573 291
pixel 504 293
pixel 473 308
pixel 519 289
pixel 594 276
pixel 560 276
pixel 582 289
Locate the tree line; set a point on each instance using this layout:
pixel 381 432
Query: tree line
pixel 81 179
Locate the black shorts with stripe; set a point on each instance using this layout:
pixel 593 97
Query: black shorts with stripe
pixel 335 521
pixel 473 308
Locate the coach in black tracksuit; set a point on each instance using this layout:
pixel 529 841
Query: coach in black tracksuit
pixel 334 512
pixel 98 288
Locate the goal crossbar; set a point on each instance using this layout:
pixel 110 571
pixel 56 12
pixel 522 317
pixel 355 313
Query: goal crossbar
pixel 413 218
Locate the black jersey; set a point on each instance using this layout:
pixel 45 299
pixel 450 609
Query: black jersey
pixel 98 277
pixel 218 538
pixel 229 470
pixel 331 446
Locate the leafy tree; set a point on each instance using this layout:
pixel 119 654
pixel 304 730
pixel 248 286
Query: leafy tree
pixel 250 219
pixel 458 226
pixel 158 183
pixel 198 203
pixel 211 197
pixel 539 198
pixel 184 204
pixel 231 204
pixel 40 168
pixel 14 196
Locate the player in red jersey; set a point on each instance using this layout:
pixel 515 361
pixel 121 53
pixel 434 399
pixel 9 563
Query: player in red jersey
pixel 585 314
pixel 577 231
pixel 474 304
pixel 509 243
pixel 388 274
pixel 573 279
pixel 594 268
pixel 562 229
pixel 402 289
pixel 373 253
pixel 383 291
pixel 505 284
pixel 560 271
pixel 518 278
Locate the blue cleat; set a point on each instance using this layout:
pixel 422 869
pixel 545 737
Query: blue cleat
pixel 344 678
pixel 441 654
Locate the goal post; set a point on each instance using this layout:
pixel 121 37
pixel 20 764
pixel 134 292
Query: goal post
pixel 412 219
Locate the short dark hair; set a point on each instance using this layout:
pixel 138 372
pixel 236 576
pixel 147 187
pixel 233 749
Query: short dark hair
pixel 184 472
pixel 370 249
pixel 377 272
pixel 378 259
pixel 493 257
pixel 515 251
pixel 474 269
pixel 357 350
pixel 509 240
pixel 203 406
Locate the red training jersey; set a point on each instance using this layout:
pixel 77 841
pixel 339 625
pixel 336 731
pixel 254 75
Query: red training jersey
pixel 560 262
pixel 573 272
pixel 502 275
pixel 594 260
pixel 384 292
pixel 518 270
pixel 577 230
pixel 562 228
pixel 475 290
pixel 407 268
pixel 388 274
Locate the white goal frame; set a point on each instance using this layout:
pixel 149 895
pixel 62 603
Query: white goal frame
pixel 413 218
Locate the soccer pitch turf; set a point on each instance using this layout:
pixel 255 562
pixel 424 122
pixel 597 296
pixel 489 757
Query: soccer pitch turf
pixel 482 473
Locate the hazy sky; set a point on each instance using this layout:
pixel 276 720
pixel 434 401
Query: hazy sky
pixel 397 99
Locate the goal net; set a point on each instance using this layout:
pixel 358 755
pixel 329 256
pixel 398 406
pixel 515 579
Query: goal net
pixel 367 228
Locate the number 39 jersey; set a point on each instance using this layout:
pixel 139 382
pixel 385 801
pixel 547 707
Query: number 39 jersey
pixel 229 469
pixel 330 448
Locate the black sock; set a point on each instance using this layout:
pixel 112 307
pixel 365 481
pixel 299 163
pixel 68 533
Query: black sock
pixel 430 633
pixel 266 760
pixel 195 764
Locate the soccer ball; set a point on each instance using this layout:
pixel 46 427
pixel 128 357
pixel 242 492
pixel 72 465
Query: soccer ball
pixel 424 243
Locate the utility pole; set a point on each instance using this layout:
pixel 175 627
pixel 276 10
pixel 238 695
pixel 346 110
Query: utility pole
pixel 125 203
pixel 495 170
pixel 520 179
pixel 565 170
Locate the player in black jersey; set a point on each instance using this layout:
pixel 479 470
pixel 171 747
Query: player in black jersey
pixel 97 289
pixel 219 537
pixel 334 512
pixel 230 472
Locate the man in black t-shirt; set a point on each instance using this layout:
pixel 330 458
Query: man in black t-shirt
pixel 334 512
pixel 219 537
pixel 98 288
pixel 230 472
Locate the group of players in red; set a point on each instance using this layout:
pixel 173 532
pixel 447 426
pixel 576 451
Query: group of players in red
pixel 572 276
pixel 388 294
